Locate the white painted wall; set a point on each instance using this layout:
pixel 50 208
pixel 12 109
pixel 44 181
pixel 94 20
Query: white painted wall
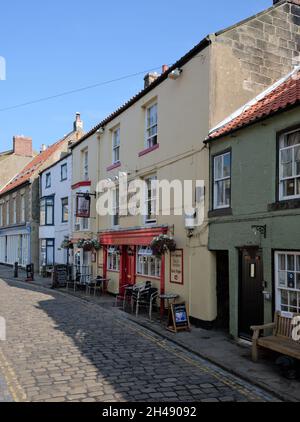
pixel 60 189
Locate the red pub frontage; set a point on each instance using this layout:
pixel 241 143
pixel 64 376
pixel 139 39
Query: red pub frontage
pixel 128 241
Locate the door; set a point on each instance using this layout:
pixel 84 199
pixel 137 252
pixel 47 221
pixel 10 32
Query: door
pixel 130 265
pixel 251 300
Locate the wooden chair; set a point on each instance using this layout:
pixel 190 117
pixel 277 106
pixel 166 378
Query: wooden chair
pixel 280 341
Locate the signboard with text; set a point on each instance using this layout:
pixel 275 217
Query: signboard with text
pixel 176 267
pixel 83 206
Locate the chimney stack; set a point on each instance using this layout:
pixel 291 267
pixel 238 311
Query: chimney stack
pixel 22 146
pixel 78 124
pixel 150 78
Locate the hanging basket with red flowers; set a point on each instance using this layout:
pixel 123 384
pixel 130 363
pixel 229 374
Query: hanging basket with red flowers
pixel 162 244
pixel 88 244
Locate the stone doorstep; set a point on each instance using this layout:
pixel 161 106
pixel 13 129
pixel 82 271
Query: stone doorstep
pixel 229 355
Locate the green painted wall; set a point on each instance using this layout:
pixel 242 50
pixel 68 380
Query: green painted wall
pixel 254 160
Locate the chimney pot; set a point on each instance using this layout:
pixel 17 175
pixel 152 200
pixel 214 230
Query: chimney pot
pixel 22 146
pixel 78 124
pixel 43 148
pixel 165 68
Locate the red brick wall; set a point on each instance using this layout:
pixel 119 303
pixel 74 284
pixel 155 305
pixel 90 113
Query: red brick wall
pixel 23 146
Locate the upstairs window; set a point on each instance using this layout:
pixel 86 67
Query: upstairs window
pixel 222 181
pixel 1 215
pixel 63 172
pixel 289 166
pixel 47 211
pixel 22 209
pixel 48 180
pixel 151 126
pixel 115 216
pixel 151 200
pixel 7 213
pixel 116 145
pixel 14 211
pixel 65 210
pixel 85 164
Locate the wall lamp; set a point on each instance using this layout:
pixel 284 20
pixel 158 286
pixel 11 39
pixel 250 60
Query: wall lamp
pixel 260 229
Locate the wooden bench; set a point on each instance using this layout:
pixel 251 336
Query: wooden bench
pixel 280 341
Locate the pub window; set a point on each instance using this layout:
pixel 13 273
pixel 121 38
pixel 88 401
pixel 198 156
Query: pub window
pixel 287 277
pixel 222 181
pixel 113 259
pixel 147 264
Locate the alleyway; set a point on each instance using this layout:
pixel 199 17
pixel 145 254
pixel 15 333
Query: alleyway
pixel 60 348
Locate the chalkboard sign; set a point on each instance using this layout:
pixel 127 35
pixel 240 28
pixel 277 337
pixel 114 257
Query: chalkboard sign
pixel 29 272
pixel 60 275
pixel 179 318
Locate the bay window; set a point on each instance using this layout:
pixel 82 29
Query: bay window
pixel 287 279
pixel 222 181
pixel 289 166
pixel 147 264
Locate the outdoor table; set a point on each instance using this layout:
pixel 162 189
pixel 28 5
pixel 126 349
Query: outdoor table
pixel 167 297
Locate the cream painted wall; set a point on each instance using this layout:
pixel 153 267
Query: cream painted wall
pixel 183 116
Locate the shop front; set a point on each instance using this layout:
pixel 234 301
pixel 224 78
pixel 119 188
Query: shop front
pixel 128 259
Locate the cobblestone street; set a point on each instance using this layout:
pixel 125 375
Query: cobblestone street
pixel 60 348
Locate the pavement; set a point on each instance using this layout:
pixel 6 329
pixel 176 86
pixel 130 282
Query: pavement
pixel 60 347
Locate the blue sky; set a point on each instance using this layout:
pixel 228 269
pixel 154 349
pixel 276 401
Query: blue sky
pixel 57 46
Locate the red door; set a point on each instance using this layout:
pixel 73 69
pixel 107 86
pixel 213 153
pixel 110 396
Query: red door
pixel 128 270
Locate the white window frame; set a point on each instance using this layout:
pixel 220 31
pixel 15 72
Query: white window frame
pixel 218 180
pixel 65 168
pixel 85 164
pixel 279 287
pixel 147 264
pixel 151 140
pixel 153 199
pixel 48 180
pixel 294 176
pixel 116 142
pixel 1 215
pixel 113 259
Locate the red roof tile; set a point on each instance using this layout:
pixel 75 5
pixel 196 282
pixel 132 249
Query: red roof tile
pixel 282 96
pixel 31 168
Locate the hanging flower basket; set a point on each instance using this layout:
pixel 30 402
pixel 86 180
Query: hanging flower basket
pixel 88 244
pixel 67 244
pixel 162 244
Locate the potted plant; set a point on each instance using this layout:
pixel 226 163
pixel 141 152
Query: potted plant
pixel 67 244
pixel 162 244
pixel 88 244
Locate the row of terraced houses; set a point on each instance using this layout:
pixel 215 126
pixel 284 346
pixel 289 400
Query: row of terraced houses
pixel 227 113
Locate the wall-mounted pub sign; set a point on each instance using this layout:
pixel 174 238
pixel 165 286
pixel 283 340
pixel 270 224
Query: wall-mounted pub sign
pixel 176 266
pixel 83 205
